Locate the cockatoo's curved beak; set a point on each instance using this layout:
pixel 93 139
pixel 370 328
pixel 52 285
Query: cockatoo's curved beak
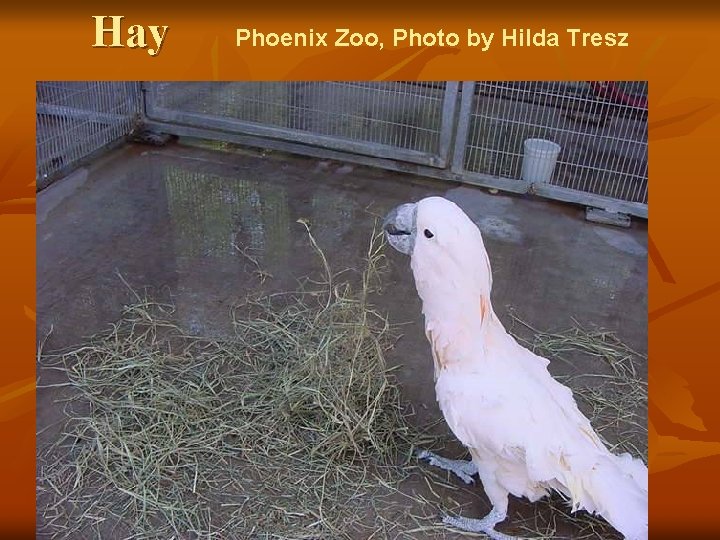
pixel 399 227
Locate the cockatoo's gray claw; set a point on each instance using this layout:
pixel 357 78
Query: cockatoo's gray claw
pixel 460 468
pixel 485 526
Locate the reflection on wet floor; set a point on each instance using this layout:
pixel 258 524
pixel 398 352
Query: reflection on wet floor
pixel 230 221
pixel 206 209
pixel 214 216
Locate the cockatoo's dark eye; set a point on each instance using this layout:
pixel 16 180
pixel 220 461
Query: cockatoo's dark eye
pixel 428 234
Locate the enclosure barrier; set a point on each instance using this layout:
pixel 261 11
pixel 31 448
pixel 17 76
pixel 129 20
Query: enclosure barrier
pixel 603 142
pixel 478 133
pixel 73 120
pixel 395 120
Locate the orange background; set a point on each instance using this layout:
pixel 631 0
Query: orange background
pixel 676 52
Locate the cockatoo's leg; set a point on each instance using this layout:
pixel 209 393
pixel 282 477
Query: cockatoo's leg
pixel 459 467
pixel 485 525
pixel 498 498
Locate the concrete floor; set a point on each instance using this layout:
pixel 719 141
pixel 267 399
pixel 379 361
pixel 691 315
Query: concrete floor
pixel 166 219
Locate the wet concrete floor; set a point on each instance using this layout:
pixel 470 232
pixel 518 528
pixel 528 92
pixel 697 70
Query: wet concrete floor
pixel 170 219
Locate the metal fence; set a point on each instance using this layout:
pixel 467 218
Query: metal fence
pixel 473 133
pixel 395 120
pixel 75 119
pixel 601 130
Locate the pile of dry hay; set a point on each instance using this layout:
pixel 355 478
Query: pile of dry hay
pixel 288 430
pixel 294 428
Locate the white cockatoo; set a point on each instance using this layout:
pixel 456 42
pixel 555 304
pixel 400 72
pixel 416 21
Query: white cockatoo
pixel 523 429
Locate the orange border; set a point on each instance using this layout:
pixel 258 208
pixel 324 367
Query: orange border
pixel 676 52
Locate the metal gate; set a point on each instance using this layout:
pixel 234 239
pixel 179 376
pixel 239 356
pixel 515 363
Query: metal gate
pixel 394 120
pixel 603 141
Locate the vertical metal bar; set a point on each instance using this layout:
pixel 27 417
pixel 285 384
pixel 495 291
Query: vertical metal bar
pixel 150 96
pixel 447 122
pixel 463 127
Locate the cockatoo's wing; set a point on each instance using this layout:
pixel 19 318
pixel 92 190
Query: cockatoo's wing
pixel 511 406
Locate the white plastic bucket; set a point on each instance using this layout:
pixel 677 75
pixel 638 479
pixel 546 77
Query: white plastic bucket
pixel 539 160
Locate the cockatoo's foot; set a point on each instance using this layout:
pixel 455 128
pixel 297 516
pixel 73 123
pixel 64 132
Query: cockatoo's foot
pixel 485 525
pixel 460 468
